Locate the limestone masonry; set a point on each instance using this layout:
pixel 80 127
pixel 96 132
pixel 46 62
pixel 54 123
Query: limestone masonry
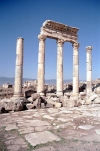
pixel 62 33
pixel 19 68
pixel 37 94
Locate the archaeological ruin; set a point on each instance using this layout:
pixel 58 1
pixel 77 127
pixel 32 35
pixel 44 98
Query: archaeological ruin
pixel 62 33
pixel 89 69
pixel 35 94
pixel 19 68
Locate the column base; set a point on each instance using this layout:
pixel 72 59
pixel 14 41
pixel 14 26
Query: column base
pixel 17 95
pixel 59 93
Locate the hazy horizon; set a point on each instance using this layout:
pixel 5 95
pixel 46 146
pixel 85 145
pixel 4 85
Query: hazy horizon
pixel 47 81
pixel 11 80
pixel 34 78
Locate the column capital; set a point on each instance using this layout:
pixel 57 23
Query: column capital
pixel 60 42
pixel 88 48
pixel 42 37
pixel 76 45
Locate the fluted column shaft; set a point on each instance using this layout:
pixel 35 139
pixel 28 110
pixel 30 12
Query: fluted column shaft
pixel 60 67
pixel 19 68
pixel 89 68
pixel 75 68
pixel 41 64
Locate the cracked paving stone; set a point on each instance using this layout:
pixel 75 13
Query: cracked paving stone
pixel 48 117
pixel 10 127
pixel 41 138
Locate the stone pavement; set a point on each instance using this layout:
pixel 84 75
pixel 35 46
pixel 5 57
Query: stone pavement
pixel 51 129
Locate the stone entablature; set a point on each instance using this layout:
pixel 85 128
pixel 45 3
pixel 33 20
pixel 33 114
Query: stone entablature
pixel 57 30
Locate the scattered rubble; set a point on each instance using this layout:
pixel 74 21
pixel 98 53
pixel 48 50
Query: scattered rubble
pixel 33 100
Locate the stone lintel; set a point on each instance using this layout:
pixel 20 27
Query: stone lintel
pixel 59 27
pixel 57 30
pixel 55 35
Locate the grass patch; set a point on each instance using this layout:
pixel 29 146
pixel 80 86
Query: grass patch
pixel 75 140
pixel 3 128
pixel 2 145
pixel 95 143
pixel 13 130
pixel 84 142
pixel 58 130
pixel 30 147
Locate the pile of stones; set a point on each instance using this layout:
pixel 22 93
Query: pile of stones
pixel 33 100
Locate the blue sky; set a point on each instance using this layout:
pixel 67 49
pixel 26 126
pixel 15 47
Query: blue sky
pixel 24 18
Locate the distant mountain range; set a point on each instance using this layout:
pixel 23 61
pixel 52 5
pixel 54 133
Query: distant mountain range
pixel 11 80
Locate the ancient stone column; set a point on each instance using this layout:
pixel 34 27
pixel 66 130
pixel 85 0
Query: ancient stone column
pixel 89 68
pixel 60 43
pixel 19 68
pixel 41 64
pixel 75 69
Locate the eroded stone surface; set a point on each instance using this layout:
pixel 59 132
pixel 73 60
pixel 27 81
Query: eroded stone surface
pixel 19 68
pixel 41 138
pixel 38 123
pixel 26 130
pixel 42 128
pixel 86 127
pixel 16 144
pixel 62 119
pixel 48 117
pixel 51 110
pixel 11 127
